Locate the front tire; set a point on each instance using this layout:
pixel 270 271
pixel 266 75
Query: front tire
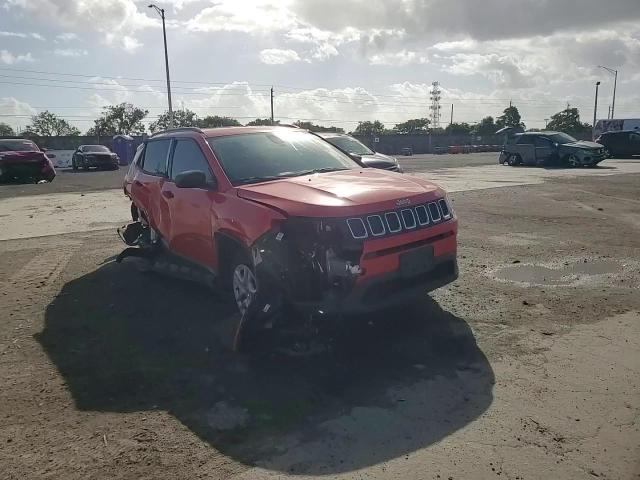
pixel 573 161
pixel 244 284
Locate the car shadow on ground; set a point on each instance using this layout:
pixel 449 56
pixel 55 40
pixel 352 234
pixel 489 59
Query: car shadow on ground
pixel 389 385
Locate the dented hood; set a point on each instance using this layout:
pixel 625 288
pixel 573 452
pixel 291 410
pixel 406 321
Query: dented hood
pixel 336 194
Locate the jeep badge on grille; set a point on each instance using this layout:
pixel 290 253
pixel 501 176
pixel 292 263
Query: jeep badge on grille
pixel 403 202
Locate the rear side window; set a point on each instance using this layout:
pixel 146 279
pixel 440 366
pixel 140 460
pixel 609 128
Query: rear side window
pixel 526 140
pixel 188 156
pixel 155 157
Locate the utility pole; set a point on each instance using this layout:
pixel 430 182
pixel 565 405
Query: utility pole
pixel 166 61
pixel 271 105
pixel 615 83
pixel 451 120
pixel 595 110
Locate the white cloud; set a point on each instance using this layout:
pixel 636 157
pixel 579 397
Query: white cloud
pixel 276 56
pixel 19 111
pixel 108 17
pixel 37 36
pixel 248 16
pixel 66 37
pixel 9 58
pixel 130 44
pixel 70 52
pixel 398 59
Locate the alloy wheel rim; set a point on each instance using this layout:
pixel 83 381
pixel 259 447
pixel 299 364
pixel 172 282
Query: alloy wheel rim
pixel 244 287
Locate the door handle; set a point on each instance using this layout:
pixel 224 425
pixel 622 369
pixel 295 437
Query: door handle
pixel 167 194
pixel 137 183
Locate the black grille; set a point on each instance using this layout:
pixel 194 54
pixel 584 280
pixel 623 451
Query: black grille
pixel 398 221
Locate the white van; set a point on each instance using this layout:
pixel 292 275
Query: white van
pixel 615 125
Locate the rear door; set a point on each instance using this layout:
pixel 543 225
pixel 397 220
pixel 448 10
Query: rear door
pixel 190 209
pixel 526 149
pixel 634 143
pixel 148 180
pixel 544 149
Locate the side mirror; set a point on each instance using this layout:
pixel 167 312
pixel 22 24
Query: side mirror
pixel 357 158
pixel 191 179
pixel 44 150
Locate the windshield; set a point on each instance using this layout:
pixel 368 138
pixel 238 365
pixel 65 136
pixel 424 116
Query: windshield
pixel 18 146
pixel 562 138
pixel 350 145
pixel 95 148
pixel 255 157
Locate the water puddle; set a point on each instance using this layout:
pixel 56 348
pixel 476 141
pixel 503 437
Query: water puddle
pixel 565 275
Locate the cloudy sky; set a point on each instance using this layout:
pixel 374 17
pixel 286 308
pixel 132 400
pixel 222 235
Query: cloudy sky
pixel 330 61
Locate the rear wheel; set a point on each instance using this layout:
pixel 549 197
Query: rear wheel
pixel 514 159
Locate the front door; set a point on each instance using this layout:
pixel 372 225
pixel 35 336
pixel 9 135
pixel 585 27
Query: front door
pixel 526 149
pixel 544 150
pixel 190 209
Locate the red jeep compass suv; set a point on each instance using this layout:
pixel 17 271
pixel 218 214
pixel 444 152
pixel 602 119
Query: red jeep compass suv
pixel 285 218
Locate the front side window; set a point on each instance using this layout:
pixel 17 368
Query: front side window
pixel 349 144
pixel 155 157
pixel 562 138
pixel 543 142
pixel 256 157
pixel 188 156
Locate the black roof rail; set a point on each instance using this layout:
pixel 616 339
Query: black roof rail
pixel 179 129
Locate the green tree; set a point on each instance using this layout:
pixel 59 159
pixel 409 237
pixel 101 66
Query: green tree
pixel 413 126
pixel 47 124
pixel 6 130
pixel 214 121
pixel 317 128
pixel 121 119
pixel 568 121
pixel 485 127
pixel 458 129
pixel 370 128
pixel 510 118
pixel 259 122
pixel 181 118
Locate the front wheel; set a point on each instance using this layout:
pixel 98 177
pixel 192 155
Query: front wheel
pixel 573 161
pixel 244 283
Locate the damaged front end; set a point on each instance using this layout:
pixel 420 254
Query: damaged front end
pixel 304 268
pixel 313 262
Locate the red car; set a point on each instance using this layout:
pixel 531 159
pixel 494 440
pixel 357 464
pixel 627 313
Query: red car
pixel 22 161
pixel 284 218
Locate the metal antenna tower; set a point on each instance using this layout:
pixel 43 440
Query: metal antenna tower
pixel 435 96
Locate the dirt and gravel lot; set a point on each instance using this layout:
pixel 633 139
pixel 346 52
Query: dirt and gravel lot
pixel 527 367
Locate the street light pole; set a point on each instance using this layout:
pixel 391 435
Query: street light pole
pixel 595 111
pixel 615 84
pixel 166 62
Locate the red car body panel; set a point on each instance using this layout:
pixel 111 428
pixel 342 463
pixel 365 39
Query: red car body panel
pixel 354 191
pixel 191 220
pixel 35 163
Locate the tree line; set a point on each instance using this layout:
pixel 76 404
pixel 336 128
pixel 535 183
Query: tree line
pixel 127 119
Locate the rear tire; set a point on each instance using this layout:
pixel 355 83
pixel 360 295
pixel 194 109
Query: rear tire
pixel 514 160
